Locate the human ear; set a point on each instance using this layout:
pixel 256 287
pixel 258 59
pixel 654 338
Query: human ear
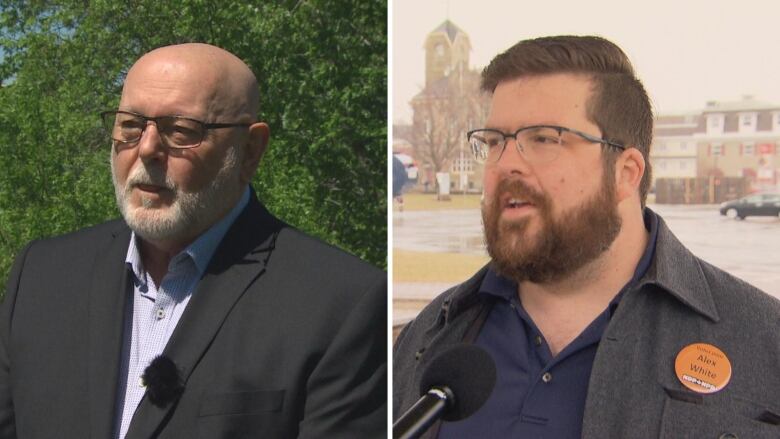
pixel 629 169
pixel 255 147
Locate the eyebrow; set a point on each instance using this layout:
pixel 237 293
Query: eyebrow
pixel 512 130
pixel 134 110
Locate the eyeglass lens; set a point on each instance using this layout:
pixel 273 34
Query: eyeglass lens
pixel 537 144
pixel 177 132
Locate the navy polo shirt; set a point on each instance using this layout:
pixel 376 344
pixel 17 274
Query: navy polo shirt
pixel 536 395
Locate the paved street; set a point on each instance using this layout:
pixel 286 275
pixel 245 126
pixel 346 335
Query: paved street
pixel 749 249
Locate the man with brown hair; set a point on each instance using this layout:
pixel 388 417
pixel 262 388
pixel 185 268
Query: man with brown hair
pixel 600 322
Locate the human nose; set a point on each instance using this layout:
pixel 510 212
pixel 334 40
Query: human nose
pixel 150 145
pixel 513 158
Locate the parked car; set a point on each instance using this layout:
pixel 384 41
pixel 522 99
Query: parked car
pixel 753 205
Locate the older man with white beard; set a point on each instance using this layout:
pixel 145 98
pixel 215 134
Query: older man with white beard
pixel 600 323
pixel 199 314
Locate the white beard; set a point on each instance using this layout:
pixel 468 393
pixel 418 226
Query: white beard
pixel 189 212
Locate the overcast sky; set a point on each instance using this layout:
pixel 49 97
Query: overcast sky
pixel 685 52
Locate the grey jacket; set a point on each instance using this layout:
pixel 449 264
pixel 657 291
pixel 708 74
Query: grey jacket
pixel 633 390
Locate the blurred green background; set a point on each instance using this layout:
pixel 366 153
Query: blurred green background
pixel 322 67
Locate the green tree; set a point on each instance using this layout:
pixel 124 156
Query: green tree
pixel 322 71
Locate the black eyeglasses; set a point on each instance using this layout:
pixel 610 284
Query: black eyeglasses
pixel 537 143
pixel 175 131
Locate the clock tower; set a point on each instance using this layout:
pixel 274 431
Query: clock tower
pixel 446 51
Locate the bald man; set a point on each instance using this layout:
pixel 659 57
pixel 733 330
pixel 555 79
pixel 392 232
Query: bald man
pixel 199 314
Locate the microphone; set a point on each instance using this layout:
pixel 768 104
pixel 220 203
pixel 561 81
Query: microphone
pixel 453 387
pixel 162 381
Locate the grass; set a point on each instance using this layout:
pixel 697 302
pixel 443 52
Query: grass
pixel 417 201
pixel 411 266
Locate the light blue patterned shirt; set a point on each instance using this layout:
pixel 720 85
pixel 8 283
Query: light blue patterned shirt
pixel 157 308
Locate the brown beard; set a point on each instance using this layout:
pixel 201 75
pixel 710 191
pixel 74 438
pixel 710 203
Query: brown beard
pixel 563 245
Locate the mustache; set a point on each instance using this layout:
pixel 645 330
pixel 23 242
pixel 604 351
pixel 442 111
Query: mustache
pixel 150 175
pixel 517 188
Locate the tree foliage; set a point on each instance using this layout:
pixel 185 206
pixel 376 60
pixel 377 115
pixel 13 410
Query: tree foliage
pixel 322 71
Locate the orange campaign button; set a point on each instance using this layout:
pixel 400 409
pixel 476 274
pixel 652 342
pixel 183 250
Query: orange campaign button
pixel 703 368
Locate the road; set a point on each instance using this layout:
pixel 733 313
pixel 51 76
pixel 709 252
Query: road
pixel 748 249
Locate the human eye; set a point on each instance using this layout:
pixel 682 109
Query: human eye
pixel 182 132
pixel 542 136
pixel 130 123
pixel 481 139
pixel 493 141
pixel 127 128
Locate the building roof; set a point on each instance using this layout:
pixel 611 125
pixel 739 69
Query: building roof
pixel 450 29
pixel 747 103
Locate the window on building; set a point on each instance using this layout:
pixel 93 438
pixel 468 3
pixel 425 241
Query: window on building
pixel 715 123
pixel 462 165
pixel 717 149
pixel 749 148
pixel 748 122
pixel 683 165
pixel 683 146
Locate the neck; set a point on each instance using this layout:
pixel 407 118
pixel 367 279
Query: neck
pixel 157 255
pixel 563 308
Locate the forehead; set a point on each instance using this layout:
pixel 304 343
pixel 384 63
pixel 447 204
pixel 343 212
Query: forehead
pixel 160 87
pixel 558 99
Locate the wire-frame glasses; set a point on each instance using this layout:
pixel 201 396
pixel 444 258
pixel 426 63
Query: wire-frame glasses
pixel 537 143
pixel 176 131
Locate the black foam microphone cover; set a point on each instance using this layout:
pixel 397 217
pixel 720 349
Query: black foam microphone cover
pixel 468 371
pixel 162 381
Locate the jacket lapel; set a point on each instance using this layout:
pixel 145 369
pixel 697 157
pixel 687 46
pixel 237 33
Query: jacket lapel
pixel 107 300
pixel 239 260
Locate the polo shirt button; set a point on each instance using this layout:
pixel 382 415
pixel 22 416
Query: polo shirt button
pixel 538 340
pixel 160 313
pixel 547 377
pixel 728 436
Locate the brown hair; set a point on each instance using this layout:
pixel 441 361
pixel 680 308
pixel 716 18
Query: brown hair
pixel 618 105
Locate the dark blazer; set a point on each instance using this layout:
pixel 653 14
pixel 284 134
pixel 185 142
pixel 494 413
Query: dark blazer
pixel 284 337
pixel 633 391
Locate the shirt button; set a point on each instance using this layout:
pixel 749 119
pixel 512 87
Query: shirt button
pixel 160 313
pixel 547 377
pixel 141 382
pixel 538 340
pixel 728 436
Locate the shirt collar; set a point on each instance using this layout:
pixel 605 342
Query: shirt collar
pixel 497 285
pixel 199 251
pixel 675 270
